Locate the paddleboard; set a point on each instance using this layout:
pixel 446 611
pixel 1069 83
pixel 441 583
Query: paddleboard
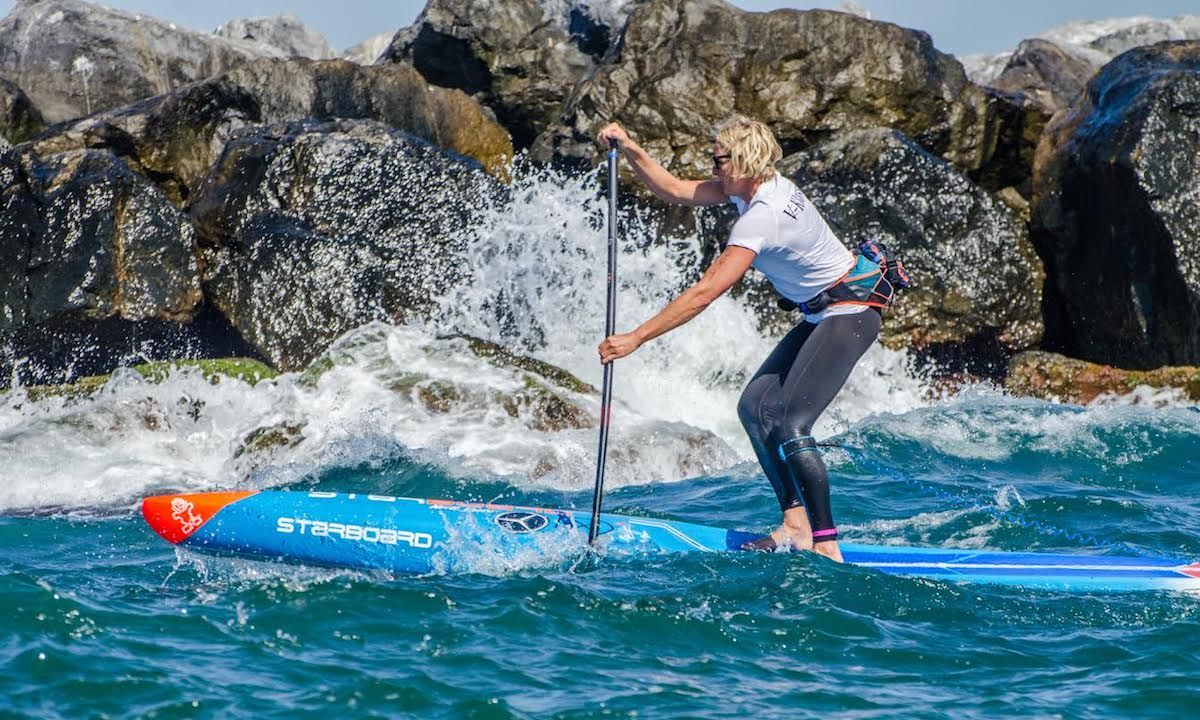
pixel 414 535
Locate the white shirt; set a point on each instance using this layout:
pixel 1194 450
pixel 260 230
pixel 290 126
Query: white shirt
pixel 793 245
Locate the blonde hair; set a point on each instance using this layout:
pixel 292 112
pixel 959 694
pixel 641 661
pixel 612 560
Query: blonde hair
pixel 752 147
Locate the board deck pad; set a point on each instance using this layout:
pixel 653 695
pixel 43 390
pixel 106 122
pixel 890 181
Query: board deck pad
pixel 414 535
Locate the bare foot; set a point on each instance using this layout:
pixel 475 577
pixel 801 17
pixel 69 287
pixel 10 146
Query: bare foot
pixel 765 543
pixel 793 534
pixel 829 549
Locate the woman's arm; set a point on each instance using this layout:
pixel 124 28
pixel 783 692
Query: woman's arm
pixel 656 177
pixel 721 275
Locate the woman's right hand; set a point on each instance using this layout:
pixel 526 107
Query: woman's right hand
pixel 612 131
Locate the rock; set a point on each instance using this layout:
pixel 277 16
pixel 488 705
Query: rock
pixel 1094 42
pixel 500 356
pixel 311 229
pixel 1115 211
pixel 519 57
pixel 684 65
pixel 96 265
pixel 1049 75
pixel 19 119
pixel 369 50
pixel 284 33
pixel 104 243
pixel 171 139
pixel 1055 377
pixel 75 58
pixel 977 280
pixel 394 94
pixel 262 446
pixel 983 69
pixel 1017 127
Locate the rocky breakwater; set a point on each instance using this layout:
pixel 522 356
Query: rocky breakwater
pixel 1116 211
pixel 287 200
pixel 101 263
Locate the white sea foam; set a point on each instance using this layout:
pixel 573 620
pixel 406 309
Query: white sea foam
pixel 986 424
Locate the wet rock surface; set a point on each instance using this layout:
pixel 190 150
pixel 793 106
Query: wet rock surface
pixel 92 239
pixel 311 229
pixel 97 265
pixel 1115 212
pixel 543 397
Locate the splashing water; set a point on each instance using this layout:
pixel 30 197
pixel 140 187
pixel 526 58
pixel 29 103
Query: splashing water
pixel 537 282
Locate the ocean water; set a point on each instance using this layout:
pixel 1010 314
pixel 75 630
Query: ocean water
pixel 101 618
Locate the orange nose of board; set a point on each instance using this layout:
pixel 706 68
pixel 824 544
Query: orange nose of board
pixel 175 517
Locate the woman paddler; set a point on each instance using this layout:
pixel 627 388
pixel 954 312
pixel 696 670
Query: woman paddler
pixel 782 234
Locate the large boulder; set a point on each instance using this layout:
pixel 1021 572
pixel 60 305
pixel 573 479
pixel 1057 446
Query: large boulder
pixel 395 94
pixel 75 58
pixel 19 118
pixel 518 57
pixel 1116 210
pixel 284 33
pixel 311 229
pixel 93 239
pixel 683 65
pixel 1050 75
pixel 173 139
pixel 977 278
pixel 96 266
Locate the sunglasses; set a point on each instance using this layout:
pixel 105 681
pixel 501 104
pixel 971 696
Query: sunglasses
pixel 719 160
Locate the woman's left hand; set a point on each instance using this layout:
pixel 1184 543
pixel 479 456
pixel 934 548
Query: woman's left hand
pixel 618 346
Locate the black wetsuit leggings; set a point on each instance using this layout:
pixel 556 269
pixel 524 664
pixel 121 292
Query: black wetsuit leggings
pixel 789 392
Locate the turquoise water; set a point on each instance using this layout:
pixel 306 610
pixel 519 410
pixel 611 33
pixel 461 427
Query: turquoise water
pixel 100 618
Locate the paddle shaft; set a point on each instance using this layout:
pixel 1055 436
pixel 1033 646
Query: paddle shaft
pixel 610 322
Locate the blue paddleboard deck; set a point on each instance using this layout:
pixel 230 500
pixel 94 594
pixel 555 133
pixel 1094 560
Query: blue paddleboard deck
pixel 413 535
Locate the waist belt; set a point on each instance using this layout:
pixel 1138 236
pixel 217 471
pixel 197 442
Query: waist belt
pixel 872 282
